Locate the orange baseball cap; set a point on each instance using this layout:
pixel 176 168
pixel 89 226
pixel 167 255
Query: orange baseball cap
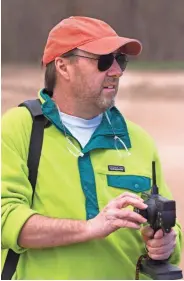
pixel 87 34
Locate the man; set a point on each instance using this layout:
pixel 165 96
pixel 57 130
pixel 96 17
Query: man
pixel 94 164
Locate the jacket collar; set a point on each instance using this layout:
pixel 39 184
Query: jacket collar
pixel 103 137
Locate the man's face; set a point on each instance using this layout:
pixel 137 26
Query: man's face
pixel 94 87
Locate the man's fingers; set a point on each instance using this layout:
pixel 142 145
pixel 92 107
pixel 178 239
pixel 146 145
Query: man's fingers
pixel 161 246
pixel 125 223
pixel 159 242
pixel 125 215
pixel 129 194
pixel 126 201
pixel 161 256
pixel 130 216
pixel 163 249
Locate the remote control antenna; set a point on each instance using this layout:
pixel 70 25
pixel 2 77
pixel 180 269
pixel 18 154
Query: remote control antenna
pixel 154 189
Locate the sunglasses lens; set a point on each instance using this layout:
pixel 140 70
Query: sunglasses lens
pixel 122 61
pixel 105 62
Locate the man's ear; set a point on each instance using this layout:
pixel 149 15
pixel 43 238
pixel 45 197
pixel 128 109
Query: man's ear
pixel 61 67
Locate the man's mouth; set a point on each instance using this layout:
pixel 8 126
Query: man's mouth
pixel 109 87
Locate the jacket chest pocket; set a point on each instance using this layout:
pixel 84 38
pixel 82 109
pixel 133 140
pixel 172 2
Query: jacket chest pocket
pixel 129 183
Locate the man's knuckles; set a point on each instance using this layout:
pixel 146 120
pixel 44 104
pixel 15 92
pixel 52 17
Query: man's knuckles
pixel 162 249
pixel 161 256
pixel 155 243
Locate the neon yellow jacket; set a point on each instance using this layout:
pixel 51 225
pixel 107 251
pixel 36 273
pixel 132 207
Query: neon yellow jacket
pixel 79 197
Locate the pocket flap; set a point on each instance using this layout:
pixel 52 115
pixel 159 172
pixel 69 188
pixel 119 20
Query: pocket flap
pixel 132 182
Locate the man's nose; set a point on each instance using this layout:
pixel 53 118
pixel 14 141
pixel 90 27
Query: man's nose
pixel 115 70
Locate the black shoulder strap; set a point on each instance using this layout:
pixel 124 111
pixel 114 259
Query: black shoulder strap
pixel 9 265
pixel 36 139
pixel 35 147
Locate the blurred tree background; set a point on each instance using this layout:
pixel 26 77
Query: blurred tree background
pixel 158 24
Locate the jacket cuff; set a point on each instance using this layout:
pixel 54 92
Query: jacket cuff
pixel 13 225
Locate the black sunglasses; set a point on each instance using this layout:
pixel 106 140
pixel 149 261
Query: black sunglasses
pixel 105 61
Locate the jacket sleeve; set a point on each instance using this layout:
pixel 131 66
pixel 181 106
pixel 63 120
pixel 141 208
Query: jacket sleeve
pixel 16 189
pixel 165 192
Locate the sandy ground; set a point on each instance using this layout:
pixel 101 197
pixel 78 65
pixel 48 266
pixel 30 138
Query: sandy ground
pixel 153 100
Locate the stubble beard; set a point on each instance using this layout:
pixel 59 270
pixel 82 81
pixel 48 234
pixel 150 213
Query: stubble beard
pixel 104 102
pixel 95 98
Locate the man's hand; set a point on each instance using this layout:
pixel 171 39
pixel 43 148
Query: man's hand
pixel 115 216
pixel 161 246
pixel 45 232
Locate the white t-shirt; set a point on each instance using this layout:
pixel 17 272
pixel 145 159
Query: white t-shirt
pixel 81 129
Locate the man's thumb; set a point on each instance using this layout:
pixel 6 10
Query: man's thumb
pixel 159 234
pixel 147 233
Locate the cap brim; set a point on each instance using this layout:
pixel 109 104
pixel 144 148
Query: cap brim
pixel 108 45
